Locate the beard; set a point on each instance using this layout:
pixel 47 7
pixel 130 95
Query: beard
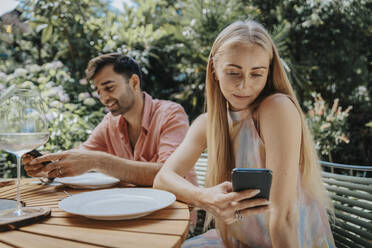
pixel 124 103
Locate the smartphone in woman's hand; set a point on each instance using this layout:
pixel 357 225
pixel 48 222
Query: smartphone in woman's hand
pixel 252 178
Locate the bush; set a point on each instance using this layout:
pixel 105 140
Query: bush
pixel 327 124
pixel 70 118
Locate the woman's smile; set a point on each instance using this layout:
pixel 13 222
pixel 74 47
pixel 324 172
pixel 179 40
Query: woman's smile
pixel 241 97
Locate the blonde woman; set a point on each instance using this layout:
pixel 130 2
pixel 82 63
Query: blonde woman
pixel 253 120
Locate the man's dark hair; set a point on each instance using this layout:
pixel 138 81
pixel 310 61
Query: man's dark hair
pixel 123 64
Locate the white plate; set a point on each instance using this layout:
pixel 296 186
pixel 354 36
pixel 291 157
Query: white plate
pixel 91 180
pixel 117 203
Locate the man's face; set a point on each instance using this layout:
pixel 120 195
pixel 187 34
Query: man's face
pixel 114 90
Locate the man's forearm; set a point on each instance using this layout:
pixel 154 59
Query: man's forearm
pixel 130 171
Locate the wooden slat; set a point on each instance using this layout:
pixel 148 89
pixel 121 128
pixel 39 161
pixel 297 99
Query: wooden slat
pixel 40 190
pixel 354 211
pixel 354 240
pixel 342 242
pixel 362 187
pixel 42 201
pixel 352 232
pixel 352 202
pixel 112 238
pixel 24 239
pixel 348 192
pixel 353 220
pixel 57 196
pixel 360 180
pixel 3 245
pixel 49 205
pixel 171 227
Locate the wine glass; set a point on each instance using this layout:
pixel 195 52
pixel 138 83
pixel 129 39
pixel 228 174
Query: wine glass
pixel 23 127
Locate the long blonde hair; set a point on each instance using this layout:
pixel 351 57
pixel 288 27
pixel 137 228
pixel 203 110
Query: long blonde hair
pixel 221 159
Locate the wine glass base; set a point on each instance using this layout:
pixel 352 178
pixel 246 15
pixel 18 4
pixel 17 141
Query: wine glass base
pixel 23 213
pixel 11 219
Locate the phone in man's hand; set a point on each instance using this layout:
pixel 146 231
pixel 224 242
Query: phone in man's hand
pixel 252 178
pixel 35 153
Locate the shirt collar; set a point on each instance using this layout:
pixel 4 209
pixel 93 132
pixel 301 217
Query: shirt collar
pixel 146 116
pixel 147 110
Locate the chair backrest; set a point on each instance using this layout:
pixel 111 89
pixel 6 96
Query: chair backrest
pixel 352 200
pixel 201 169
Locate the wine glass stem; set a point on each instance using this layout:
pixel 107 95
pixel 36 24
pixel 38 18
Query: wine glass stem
pixel 18 206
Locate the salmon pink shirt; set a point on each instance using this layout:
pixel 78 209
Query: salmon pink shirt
pixel 164 125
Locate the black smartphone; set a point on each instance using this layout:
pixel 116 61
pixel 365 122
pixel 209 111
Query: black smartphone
pixel 35 153
pixel 252 178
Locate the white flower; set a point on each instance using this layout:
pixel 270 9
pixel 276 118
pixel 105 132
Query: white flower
pixel 108 46
pixel 28 85
pixel 51 116
pixel 50 84
pixel 89 101
pixel 52 92
pixel 3 76
pixel 71 106
pixel 57 64
pixel 20 72
pixel 56 104
pixel 83 81
pixel 82 96
pixel 33 68
pixel 61 75
pixel 64 97
pixel 42 80
pixel 95 94
pixel 10 77
pixel 53 65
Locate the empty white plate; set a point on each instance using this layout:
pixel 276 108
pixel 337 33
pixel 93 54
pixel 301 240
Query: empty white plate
pixel 117 203
pixel 91 180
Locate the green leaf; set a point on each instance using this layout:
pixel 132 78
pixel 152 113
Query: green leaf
pixel 46 34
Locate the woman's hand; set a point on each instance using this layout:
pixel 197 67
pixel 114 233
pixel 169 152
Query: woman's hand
pixel 222 203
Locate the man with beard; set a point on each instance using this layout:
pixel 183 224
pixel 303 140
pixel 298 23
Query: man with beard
pixel 133 141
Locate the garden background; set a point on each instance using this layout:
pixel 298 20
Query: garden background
pixel 325 46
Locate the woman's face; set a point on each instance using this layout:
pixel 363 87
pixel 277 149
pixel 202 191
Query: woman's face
pixel 242 72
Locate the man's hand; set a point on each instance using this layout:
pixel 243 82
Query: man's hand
pixel 34 170
pixel 69 163
pixel 222 203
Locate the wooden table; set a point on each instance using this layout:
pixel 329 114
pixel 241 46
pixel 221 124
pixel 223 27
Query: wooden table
pixel 164 228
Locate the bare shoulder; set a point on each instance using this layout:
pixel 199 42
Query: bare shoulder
pixel 200 123
pixel 278 108
pixel 198 129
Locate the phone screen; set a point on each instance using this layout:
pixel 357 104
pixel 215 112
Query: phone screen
pixel 252 178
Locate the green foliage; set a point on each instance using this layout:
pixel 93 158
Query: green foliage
pixel 327 124
pixel 328 43
pixel 323 44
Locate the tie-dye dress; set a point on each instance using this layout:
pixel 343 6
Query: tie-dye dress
pixel 313 227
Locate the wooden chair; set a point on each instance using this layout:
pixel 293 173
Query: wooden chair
pixel 352 200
